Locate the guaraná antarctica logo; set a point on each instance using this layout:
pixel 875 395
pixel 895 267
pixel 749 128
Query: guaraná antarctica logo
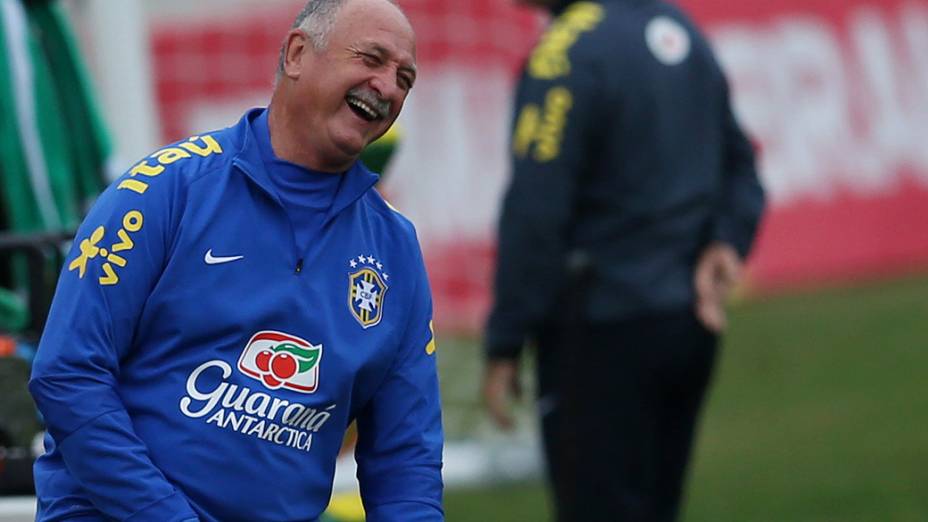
pixel 278 360
pixel 281 360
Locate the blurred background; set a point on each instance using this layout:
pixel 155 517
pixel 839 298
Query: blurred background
pixel 819 410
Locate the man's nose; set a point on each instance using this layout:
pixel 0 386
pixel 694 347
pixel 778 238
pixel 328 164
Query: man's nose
pixel 386 85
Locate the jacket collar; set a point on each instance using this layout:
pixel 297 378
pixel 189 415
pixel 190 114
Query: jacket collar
pixel 355 181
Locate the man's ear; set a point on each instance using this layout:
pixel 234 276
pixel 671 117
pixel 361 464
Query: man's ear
pixel 296 45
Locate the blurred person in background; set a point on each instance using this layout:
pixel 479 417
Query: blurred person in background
pixel 236 299
pixel 633 203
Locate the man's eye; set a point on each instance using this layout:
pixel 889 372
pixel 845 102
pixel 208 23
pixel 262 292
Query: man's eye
pixel 371 59
pixel 406 81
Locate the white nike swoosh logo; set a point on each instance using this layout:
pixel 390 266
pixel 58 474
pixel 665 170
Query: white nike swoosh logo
pixel 210 260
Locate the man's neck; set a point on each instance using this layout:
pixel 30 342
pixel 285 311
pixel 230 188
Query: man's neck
pixel 287 146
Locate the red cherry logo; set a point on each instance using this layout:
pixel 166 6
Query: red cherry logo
pixel 262 360
pixel 270 381
pixel 283 366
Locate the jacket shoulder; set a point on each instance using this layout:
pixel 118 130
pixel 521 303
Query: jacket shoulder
pixel 629 35
pixel 390 215
pixel 570 37
pixel 184 160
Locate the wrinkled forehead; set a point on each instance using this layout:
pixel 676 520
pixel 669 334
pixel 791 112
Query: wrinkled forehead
pixel 378 20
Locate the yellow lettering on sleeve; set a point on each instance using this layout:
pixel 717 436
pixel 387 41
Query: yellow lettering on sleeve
pixel 167 157
pixel 131 222
pixel 212 146
pixel 551 133
pixel 134 185
pixel 544 131
pixel 170 155
pixel 116 260
pixel 125 242
pixel 526 128
pixel 89 250
pixel 110 278
pixel 430 348
pixel 549 58
pixel 145 169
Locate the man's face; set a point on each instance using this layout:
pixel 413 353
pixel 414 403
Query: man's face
pixel 349 93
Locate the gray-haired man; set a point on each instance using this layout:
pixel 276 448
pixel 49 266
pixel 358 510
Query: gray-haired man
pixel 237 299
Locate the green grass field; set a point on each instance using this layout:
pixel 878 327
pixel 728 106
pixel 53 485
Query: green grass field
pixel 818 412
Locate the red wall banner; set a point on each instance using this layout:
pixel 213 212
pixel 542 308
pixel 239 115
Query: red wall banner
pixel 834 92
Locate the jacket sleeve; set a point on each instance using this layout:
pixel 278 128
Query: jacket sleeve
pixel 115 261
pixel 553 129
pixel 399 451
pixel 742 198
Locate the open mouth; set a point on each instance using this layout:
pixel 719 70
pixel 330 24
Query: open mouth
pixel 363 109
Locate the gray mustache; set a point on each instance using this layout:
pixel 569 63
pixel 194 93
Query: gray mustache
pixel 369 97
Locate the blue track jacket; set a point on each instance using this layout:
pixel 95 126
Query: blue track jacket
pixel 196 366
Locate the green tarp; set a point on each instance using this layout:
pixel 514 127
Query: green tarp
pixel 53 146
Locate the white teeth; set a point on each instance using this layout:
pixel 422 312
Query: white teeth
pixel 364 107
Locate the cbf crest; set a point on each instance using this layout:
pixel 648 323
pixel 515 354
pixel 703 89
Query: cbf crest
pixel 367 287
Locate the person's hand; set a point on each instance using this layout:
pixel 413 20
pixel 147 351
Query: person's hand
pixel 717 273
pixel 501 384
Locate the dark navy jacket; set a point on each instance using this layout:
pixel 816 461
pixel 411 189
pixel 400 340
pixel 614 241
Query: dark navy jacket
pixel 624 148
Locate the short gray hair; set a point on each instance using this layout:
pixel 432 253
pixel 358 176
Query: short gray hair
pixel 316 20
